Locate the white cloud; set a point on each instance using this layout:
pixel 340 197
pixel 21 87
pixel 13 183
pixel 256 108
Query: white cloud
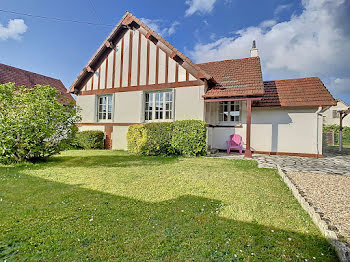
pixel 316 42
pixel 14 29
pixel 281 8
pixel 157 25
pixel 340 87
pixel 200 6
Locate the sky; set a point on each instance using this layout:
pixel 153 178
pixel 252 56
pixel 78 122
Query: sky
pixel 295 38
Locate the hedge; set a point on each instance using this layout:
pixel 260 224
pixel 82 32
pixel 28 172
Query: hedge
pixel 335 129
pixel 187 137
pixel 91 139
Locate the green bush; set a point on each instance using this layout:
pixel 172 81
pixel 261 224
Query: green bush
pixel 186 137
pixel 189 138
pixel 33 123
pixel 335 129
pixel 91 139
pixel 150 139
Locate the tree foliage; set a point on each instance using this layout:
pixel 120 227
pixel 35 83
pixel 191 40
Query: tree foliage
pixel 33 123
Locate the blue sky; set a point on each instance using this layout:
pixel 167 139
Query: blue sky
pixel 295 38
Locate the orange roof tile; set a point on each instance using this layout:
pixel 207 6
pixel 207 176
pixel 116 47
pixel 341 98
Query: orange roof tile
pixel 296 92
pixel 238 77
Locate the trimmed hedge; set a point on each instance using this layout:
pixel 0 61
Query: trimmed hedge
pixel 91 139
pixel 187 137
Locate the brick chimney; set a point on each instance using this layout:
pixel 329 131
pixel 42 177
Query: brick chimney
pixel 254 51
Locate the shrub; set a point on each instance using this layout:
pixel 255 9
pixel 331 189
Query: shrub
pixel 335 129
pixel 189 138
pixel 150 139
pixel 186 137
pixel 33 123
pixel 91 139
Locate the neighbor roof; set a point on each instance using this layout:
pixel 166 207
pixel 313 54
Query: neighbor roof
pixel 29 79
pixel 238 77
pixel 296 92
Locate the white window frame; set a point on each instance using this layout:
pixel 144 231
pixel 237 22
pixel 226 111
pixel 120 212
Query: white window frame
pixel 107 106
pixel 234 113
pixel 164 111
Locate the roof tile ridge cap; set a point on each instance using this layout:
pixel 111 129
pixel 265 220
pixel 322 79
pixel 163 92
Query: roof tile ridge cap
pixel 229 60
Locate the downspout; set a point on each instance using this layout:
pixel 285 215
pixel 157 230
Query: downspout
pixel 318 113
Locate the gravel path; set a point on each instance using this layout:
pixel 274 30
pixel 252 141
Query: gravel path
pixel 330 194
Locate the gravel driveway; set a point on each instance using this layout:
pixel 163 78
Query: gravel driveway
pixel 330 194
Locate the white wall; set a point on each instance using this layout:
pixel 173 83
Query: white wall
pixel 289 130
pixel 128 107
pixel 87 106
pixel 189 103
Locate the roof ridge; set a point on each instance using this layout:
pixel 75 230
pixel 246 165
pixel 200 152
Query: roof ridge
pixel 226 60
pixel 124 22
pixel 30 72
pixel 289 79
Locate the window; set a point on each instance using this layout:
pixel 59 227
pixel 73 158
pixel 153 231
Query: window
pixel 105 107
pixel 229 111
pixel 158 106
pixel 335 114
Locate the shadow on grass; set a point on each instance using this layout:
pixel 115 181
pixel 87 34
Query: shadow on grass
pixel 50 221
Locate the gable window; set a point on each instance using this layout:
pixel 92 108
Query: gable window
pixel 229 112
pixel 159 106
pixel 105 107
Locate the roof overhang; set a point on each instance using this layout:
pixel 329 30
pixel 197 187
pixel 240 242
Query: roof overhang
pixel 227 99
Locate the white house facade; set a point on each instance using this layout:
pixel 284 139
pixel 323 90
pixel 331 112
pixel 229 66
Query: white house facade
pixel 332 117
pixel 137 77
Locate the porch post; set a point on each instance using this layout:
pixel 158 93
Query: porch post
pixel 248 152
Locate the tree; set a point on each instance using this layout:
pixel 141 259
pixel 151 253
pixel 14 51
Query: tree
pixel 33 123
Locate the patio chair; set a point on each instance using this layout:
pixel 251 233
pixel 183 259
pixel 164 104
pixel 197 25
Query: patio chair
pixel 235 142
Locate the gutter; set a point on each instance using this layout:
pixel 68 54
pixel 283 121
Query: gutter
pixel 318 114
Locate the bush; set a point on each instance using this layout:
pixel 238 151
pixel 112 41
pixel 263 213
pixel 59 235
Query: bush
pixel 150 139
pixel 186 137
pixel 335 129
pixel 91 139
pixel 33 123
pixel 189 138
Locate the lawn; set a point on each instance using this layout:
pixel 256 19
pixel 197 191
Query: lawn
pixel 109 205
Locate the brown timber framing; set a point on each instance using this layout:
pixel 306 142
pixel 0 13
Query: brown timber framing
pixel 125 24
pixel 143 88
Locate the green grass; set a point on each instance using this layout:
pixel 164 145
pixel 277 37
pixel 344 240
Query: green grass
pixel 109 205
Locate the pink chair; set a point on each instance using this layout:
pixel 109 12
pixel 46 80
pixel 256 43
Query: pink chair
pixel 235 142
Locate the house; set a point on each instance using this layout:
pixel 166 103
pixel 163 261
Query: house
pixel 136 76
pixel 29 79
pixel 331 115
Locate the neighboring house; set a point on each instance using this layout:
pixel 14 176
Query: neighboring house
pixel 331 115
pixel 29 79
pixel 136 77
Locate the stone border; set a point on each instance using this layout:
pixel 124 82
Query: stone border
pixel 341 249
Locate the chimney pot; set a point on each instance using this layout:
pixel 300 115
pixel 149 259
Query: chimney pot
pixel 254 52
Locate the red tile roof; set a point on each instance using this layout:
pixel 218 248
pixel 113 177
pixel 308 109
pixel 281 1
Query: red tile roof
pixel 29 79
pixel 238 77
pixel 296 92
